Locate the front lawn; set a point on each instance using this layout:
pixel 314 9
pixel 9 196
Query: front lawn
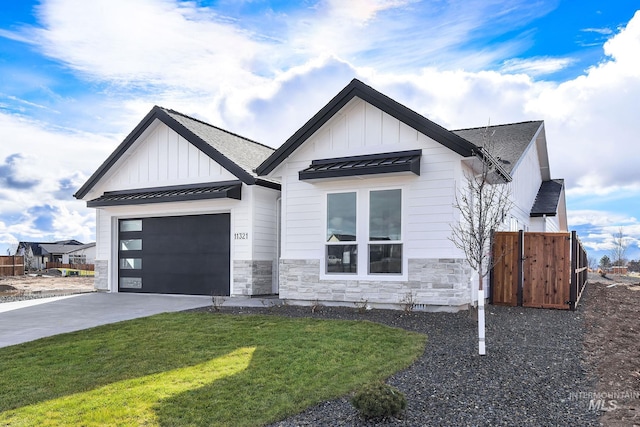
pixel 195 369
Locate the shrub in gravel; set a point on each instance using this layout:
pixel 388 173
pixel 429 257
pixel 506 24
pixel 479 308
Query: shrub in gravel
pixel 378 400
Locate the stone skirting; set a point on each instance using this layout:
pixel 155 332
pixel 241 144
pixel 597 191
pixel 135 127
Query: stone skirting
pixel 431 282
pixel 252 277
pixel 101 275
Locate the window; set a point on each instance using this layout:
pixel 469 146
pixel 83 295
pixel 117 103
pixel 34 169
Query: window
pixel 380 241
pixel 130 263
pixel 131 244
pixel 131 282
pixel 77 259
pixel 131 225
pixel 385 225
pixel 341 227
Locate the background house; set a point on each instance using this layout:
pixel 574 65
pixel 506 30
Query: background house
pixel 369 184
pixel 37 254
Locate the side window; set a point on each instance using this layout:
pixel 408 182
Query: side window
pixel 385 232
pixel 341 257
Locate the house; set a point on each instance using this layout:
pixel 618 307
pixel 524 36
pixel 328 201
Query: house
pixel 82 254
pixel 368 192
pixel 39 253
pixel 180 210
pixel 355 207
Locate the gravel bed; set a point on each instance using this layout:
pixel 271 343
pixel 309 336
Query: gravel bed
pixel 532 367
pixel 24 296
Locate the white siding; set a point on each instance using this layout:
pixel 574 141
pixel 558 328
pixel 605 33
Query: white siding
pixel 264 235
pixel 525 185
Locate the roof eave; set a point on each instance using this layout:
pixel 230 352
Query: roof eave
pixel 358 89
pixel 160 114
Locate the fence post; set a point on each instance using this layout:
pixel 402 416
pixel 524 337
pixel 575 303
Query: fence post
pixel 573 283
pixel 491 261
pixel 520 267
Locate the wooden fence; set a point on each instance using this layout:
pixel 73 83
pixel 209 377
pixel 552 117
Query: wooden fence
pixel 12 265
pixel 88 267
pixel 545 270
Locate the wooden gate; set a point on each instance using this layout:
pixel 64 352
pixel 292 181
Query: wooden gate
pixel 535 269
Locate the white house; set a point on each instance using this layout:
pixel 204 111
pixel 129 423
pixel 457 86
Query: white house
pixel 368 192
pixel 355 207
pixel 180 210
pixel 82 254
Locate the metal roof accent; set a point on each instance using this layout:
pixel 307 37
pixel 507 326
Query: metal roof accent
pixel 402 161
pixel 546 202
pixel 213 190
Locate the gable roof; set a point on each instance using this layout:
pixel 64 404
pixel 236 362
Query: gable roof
pixel 238 155
pixel 358 89
pixel 548 197
pixel 510 140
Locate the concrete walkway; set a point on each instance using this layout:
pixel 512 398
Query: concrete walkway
pixel 24 321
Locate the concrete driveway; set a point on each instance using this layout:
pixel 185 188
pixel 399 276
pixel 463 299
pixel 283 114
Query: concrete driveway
pixel 29 320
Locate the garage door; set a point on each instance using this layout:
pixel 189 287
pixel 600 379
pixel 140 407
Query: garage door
pixel 175 255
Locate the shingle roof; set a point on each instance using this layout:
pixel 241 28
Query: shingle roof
pixel 242 151
pixel 510 140
pixel 548 197
pixel 237 154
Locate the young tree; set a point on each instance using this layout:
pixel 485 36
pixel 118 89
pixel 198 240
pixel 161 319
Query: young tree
pixel 605 262
pixel 620 244
pixel 483 203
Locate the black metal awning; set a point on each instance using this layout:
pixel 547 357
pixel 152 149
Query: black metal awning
pixel 178 193
pixel 402 161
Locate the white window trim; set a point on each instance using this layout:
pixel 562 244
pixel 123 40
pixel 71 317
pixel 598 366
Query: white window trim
pixel 362 237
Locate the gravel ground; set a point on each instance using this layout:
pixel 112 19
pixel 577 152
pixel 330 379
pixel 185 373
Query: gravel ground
pixel 532 367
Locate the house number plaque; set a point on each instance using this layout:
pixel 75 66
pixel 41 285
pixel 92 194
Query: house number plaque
pixel 241 236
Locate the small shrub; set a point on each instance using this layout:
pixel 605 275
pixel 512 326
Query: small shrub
pixel 377 400
pixel 362 305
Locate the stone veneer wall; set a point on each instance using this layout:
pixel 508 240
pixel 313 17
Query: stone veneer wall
pixel 431 282
pixel 101 275
pixel 252 277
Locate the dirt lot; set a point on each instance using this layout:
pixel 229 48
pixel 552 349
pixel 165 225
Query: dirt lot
pixel 612 346
pixel 44 284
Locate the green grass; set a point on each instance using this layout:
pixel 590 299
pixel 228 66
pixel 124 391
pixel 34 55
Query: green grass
pixel 195 369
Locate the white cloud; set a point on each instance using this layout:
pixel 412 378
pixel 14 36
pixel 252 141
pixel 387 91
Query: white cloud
pixel 535 66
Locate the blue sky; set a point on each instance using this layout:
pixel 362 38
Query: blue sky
pixel 77 76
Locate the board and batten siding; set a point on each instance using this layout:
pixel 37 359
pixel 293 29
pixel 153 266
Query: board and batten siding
pixel 525 186
pixel 161 157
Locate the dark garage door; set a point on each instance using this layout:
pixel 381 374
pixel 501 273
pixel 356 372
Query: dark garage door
pixel 175 255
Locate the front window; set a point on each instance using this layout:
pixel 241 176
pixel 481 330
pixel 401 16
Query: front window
pixel 341 227
pixel 380 243
pixel 385 232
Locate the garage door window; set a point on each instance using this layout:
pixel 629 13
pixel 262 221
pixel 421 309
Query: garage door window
pixel 131 282
pixel 130 263
pixel 131 245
